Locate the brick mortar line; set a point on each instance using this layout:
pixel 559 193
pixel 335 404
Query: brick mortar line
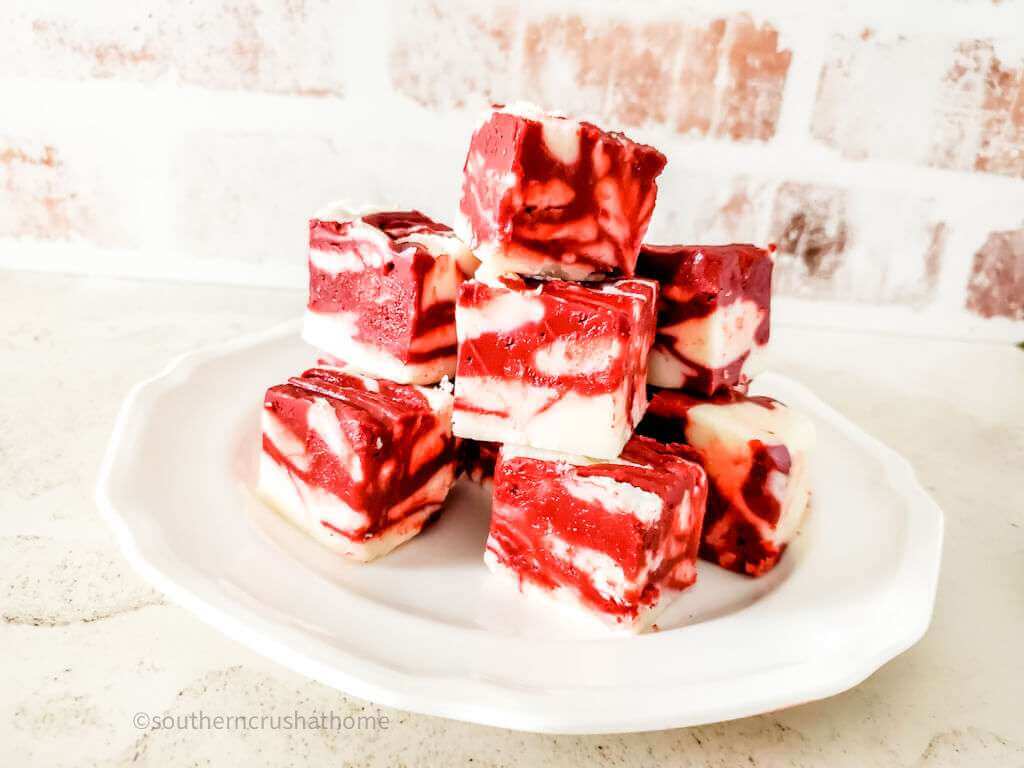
pixel 949 18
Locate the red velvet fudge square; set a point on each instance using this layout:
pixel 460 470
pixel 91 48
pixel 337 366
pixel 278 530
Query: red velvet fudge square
pixel 550 196
pixel 714 308
pixel 615 538
pixel 382 289
pixel 553 364
pixel 755 452
pixel 361 464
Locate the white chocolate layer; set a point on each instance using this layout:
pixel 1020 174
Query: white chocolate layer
pixel 596 425
pixel 333 334
pixel 713 341
pixel 616 497
pixel 511 258
pixel 305 505
pixel 568 599
pixel 507 311
pixel 722 432
pixel 570 357
pixel 308 508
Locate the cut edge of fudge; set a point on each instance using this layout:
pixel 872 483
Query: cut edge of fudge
pixel 714 312
pixel 566 600
pixel 317 509
pixel 753 448
pixel 353 253
pixel 334 337
pixel 588 481
pixel 287 495
pixel 520 224
pixel 549 392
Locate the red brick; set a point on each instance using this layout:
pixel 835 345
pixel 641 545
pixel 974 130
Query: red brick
pixel 998 90
pixel 454 54
pixel 876 96
pixel 643 59
pixel 922 100
pixel 996 284
pixel 859 244
pixel 37 203
pixel 864 245
pixel 695 103
pixel 700 206
pixel 757 69
pixel 59 40
pixel 279 46
pixel 276 46
pixel 809 227
pixel 622 74
pixel 568 65
pixel 723 78
pixel 49 194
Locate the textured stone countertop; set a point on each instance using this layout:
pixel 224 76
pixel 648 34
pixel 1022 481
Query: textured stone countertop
pixel 85 643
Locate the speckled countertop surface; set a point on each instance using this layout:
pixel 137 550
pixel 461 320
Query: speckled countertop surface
pixel 86 644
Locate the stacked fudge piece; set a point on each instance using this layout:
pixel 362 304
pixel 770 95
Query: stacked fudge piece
pixel 715 310
pixel 554 340
pixel 553 318
pixel 359 451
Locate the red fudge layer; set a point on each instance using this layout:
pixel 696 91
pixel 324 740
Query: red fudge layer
pixel 713 309
pixel 382 293
pixel 545 195
pixel 611 537
pixel 754 450
pixel 553 364
pixel 360 463
pixel 477 460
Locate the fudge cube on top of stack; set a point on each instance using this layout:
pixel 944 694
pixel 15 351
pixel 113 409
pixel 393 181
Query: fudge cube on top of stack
pixel 754 450
pixel 615 538
pixel 714 309
pixel 382 288
pixel 553 364
pixel 361 464
pixel 548 196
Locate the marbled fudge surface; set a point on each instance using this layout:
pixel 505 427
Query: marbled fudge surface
pixel 713 310
pixel 360 463
pixel 547 195
pixel 755 452
pixel 611 537
pixel 553 364
pixel 382 292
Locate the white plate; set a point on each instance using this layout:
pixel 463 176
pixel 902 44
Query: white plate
pixel 426 629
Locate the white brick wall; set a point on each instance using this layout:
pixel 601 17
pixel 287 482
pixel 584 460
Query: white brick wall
pixel 881 145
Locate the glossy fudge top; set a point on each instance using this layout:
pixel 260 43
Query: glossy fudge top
pixel 697 279
pixel 622 508
pixel 664 469
pixel 363 439
pixel 396 225
pixel 561 188
pixel 375 239
pixel 372 401
pixel 553 332
pixel 381 269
